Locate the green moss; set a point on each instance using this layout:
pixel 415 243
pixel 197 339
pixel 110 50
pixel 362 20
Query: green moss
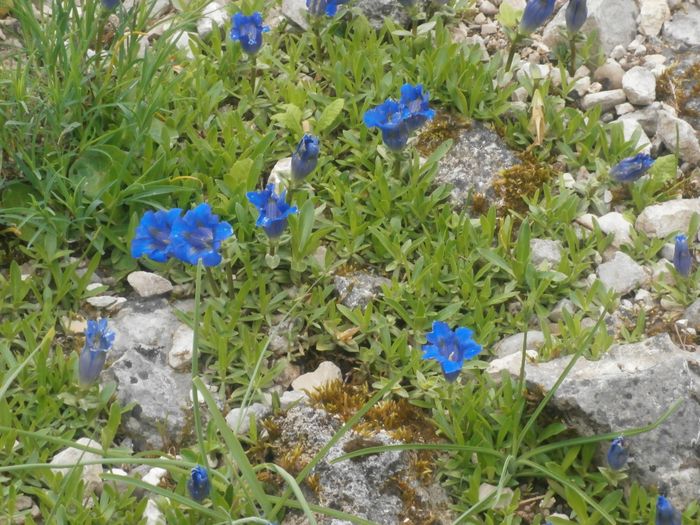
pixel 522 180
pixel 443 127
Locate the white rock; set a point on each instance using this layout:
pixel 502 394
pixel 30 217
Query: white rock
pixel 533 71
pixel 92 286
pixel 281 173
pixel 182 42
pixel 504 499
pixel 618 52
pixel 105 302
pixel 155 476
pixel 180 353
pixel 325 373
pixel 629 128
pixel 654 60
pixel 621 274
pixel 683 27
pixel 519 95
pixel 564 305
pixel 238 419
pixel 671 129
pixel 582 85
pixel 668 250
pixel 292 397
pixel 153 515
pixel 666 218
pixel 489 29
pixel 545 252
pixel 514 343
pixel 605 99
pixel 488 8
pixel 147 284
pixel 639 85
pixel 624 108
pixel 615 223
pixel 296 11
pixel 91 474
pixel 214 15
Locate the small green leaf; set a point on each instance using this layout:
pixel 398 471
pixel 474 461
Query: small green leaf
pixel 330 113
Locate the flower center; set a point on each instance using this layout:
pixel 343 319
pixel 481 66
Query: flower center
pixel 201 238
pixel 250 31
pixel 272 210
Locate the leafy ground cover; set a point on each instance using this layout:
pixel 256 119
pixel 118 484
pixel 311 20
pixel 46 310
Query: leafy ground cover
pixel 94 134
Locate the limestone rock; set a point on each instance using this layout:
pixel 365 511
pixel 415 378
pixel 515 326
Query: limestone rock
pixel 358 289
pixel 628 387
pixel 91 474
pixel 545 252
pixel 672 129
pixel 238 419
pixel 147 284
pixel 692 314
pixel 621 274
pixel 615 223
pixel 514 344
pixel 607 100
pixel 639 85
pixel 609 75
pixel 180 353
pixel 213 15
pixel 631 127
pixel 653 15
pixel 667 218
pixel 682 29
pixel 325 373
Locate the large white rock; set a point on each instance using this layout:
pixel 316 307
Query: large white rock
pixel 614 22
pixel 605 99
pixel 671 129
pixel 325 373
pixel 147 284
pixel 621 274
pixel 545 252
pixel 639 85
pixel 213 15
pixel 615 223
pixel 238 419
pixel 653 15
pixel 666 218
pixel 91 474
pixel 683 27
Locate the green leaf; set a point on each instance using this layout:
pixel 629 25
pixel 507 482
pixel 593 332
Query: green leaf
pixel 330 113
pixel 290 119
pixel 508 15
pixel 664 167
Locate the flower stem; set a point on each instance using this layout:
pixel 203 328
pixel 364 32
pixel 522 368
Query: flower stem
pixel 212 282
pixel 229 280
pixel 511 53
pixel 572 46
pixel 253 75
pixel 397 166
pixel 316 30
pixel 195 365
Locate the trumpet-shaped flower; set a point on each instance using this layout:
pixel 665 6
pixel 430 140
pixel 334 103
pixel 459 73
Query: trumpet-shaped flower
pixel 416 111
pixel 389 118
pixel 110 4
pixel 320 7
pixel 450 348
pixel 198 484
pixel 198 235
pixel 98 340
pixel 248 31
pixel 682 260
pixel 273 208
pixel 665 513
pixel 153 235
pixel 631 168
pixel 617 454
pixel 535 14
pixel 576 14
pixel 305 157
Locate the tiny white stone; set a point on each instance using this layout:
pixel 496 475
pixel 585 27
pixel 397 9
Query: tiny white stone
pixel 325 373
pixel 155 476
pixel 180 353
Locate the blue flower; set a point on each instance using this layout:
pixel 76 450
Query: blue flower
pixel 450 348
pixel 617 453
pixel 416 111
pixel 389 117
pixel 319 7
pixel 273 208
pixel 153 235
pixel 198 235
pixel 631 168
pixel 576 14
pixel 665 513
pixel 248 31
pixel 536 13
pixel 682 259
pixel 98 340
pixel 305 158
pixel 110 4
pixel 198 484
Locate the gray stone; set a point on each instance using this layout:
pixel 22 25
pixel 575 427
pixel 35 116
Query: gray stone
pixel 609 75
pixel 621 274
pixel 152 514
pixel 615 23
pixel 692 314
pixel 607 100
pixel 182 42
pixel 291 398
pixel 682 29
pixel 545 252
pixel 377 11
pixel 615 223
pixel 238 419
pixel 653 14
pixel 639 85
pixel 674 131
pixel 628 387
pixel 325 373
pixel 106 302
pixel 514 343
pixel 296 11
pixel 90 474
pixel 488 8
pixel 666 218
pixel 564 305
pixel 180 353
pixel 360 487
pixel 358 289
pixel 473 163
pixel 213 15
pixel 147 284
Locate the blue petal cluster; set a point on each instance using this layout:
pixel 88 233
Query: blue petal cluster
pixel 248 31
pixel 305 157
pixel 682 260
pixel 153 235
pixel 98 340
pixel 320 7
pixel 535 14
pixel 110 4
pixel 198 484
pixel 576 14
pixel 665 513
pixel 273 208
pixel 617 454
pixel 397 120
pixel 198 235
pixel 450 348
pixel 631 168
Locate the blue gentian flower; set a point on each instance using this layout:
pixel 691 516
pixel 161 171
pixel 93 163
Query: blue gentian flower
pixel 98 340
pixel 248 31
pixel 198 235
pixel 665 513
pixel 110 4
pixel 631 168
pixel 389 117
pixel 319 7
pixel 305 158
pixel 617 453
pixel 416 111
pixel 682 260
pixel 273 208
pixel 198 484
pixel 450 348
pixel 535 14
pixel 576 14
pixel 153 235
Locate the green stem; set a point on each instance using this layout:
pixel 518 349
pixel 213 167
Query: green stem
pixel 521 383
pixel 212 282
pixel 253 75
pixel 511 53
pixel 229 280
pixel 195 365
pixel 572 46
pixel 397 166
